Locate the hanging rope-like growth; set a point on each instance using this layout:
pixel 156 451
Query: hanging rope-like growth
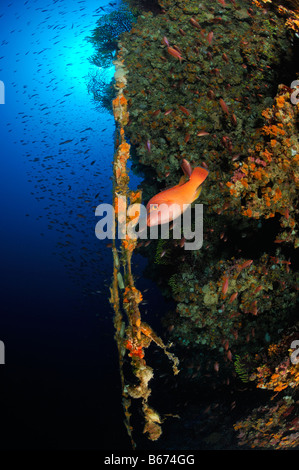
pixel 132 335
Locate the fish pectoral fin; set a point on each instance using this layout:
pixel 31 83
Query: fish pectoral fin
pixel 197 193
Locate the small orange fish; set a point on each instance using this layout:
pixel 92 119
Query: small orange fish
pixel 229 355
pixel 233 297
pixel 223 106
pixel 201 133
pixel 194 23
pixel 210 37
pixel 187 138
pixel 225 285
pixel 234 120
pixel 175 200
pixel 258 289
pixel 245 264
pixel 174 53
pixel 165 41
pixel 254 308
pixel 184 110
pixel 204 165
pixel 186 167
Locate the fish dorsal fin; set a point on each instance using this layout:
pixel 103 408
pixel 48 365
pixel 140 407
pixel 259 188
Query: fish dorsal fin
pixel 183 180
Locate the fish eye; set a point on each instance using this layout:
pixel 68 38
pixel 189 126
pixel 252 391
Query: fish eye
pixel 154 207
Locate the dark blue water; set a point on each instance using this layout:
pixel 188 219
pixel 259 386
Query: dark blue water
pixel 59 387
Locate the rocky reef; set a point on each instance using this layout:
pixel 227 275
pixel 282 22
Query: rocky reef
pixel 275 425
pixel 210 82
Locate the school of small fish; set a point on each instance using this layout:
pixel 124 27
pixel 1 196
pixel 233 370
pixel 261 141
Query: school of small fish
pixel 51 124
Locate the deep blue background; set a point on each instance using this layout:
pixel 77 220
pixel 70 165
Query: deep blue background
pixel 59 388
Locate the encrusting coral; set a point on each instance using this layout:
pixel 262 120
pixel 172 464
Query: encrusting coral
pixel 271 427
pixel 275 425
pixel 280 366
pixel 233 304
pixel 288 9
pixel 267 182
pixel 196 107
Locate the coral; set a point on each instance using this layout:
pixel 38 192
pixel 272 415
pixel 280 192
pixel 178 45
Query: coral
pixel 211 76
pixel 232 302
pixel 285 375
pixel 137 7
pixel 279 370
pixel 275 426
pixel 200 87
pixel 270 427
pixel 104 37
pixel 267 181
pixel 102 90
pixel 289 9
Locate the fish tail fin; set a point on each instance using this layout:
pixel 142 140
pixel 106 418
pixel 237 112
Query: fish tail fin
pixel 198 176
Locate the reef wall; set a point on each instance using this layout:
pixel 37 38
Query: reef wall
pixel 210 82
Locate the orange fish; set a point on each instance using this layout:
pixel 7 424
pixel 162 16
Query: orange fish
pixel 171 203
pixel 184 110
pixel 201 133
pixel 224 106
pixel 233 297
pixel 245 264
pixel 194 23
pixel 225 285
pixel 210 37
pixel 186 167
pixel 174 53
